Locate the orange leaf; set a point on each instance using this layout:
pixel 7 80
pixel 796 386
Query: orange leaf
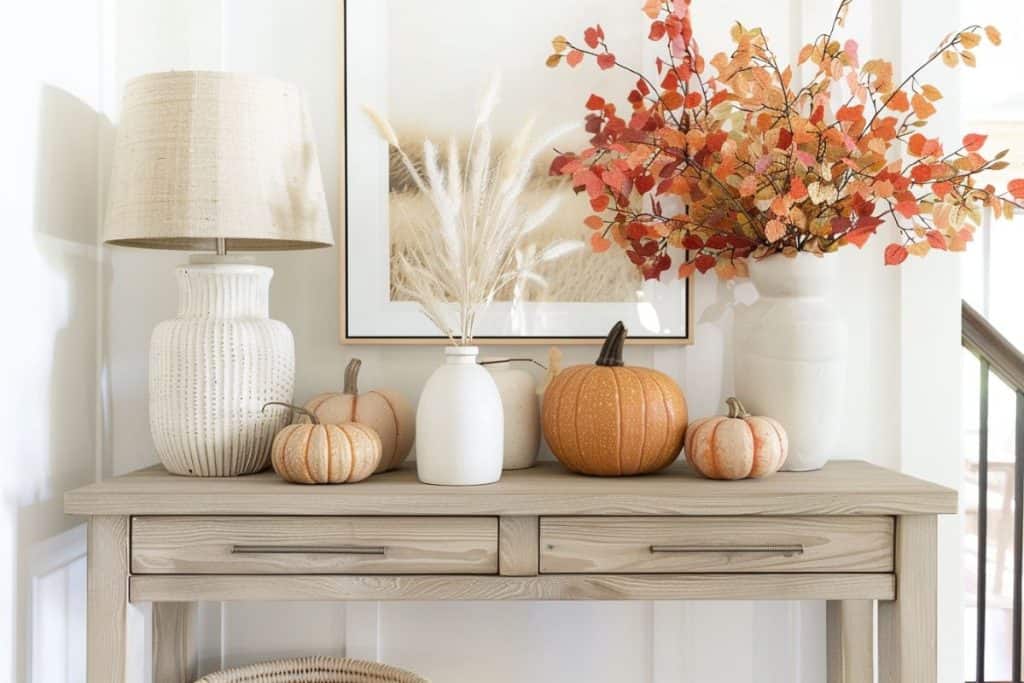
pixel 672 99
pixel 969 40
pixel 686 270
pixel 1016 188
pixel 942 189
pixel 895 254
pixel 574 58
pixel 598 243
pixel 797 189
pixel 950 59
pixel 922 107
pixel 595 103
pixel 993 34
pixel 774 230
pixel 899 101
pixel 936 239
pixel 693 100
pixel 974 141
pixel 916 144
pixel 931 92
pixel 594 222
pixel 908 208
pixel 652 8
pixel 600 203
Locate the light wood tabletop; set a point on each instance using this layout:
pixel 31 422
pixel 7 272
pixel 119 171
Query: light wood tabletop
pixel 842 488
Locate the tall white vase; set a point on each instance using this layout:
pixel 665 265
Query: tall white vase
pixel 211 370
pixel 459 423
pixel 518 391
pixel 790 353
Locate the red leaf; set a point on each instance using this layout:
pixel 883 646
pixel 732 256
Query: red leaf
pixel 797 189
pixel 636 231
pixel 590 37
pixel 657 30
pixel 974 141
pixel 606 61
pixel 595 103
pixel 693 100
pixel 1016 188
pixel 895 254
pixel 601 203
pixel 693 242
pixel 704 263
pixel 921 174
pixel 574 58
pixel 644 184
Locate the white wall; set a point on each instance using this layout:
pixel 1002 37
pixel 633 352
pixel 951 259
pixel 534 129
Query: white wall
pixel 51 282
pixel 87 51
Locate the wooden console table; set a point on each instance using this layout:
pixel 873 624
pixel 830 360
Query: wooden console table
pixel 851 534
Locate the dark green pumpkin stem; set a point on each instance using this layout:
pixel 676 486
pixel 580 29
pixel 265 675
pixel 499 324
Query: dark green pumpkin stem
pixel 611 351
pixel 296 409
pixel 352 377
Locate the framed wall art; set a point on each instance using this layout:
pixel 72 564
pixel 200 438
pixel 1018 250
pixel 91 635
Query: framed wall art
pixel 424 66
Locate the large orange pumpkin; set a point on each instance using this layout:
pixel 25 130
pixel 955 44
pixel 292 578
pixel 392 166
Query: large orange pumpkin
pixel 609 419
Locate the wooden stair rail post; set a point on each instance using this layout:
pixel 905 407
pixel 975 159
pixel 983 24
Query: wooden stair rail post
pixel 996 354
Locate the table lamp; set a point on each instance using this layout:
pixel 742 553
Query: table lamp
pixel 217 162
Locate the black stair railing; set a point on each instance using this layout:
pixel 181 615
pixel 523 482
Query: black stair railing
pixel 997 355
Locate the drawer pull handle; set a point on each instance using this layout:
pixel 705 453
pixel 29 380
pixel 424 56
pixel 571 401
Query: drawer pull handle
pixel 786 550
pixel 309 549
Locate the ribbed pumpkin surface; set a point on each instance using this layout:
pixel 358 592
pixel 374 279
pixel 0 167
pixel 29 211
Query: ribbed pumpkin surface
pixel 325 453
pixel 614 421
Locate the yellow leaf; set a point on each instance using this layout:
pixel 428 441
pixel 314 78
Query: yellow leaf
pixel 931 92
pixel 969 59
pixel 993 34
pixel 553 61
pixel 919 248
pixel 950 59
pixel 560 44
pixel 970 40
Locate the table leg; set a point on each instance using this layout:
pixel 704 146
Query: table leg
pixel 175 658
pixel 907 633
pixel 851 641
pixel 107 599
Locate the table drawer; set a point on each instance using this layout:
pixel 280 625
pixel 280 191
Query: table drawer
pixel 652 545
pixel 314 545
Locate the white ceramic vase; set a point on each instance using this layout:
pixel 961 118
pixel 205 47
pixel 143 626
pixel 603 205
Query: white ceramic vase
pixel 459 423
pixel 518 391
pixel 213 367
pixel 790 353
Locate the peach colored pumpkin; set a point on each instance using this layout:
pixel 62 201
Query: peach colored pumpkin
pixel 315 453
pixel 736 446
pixel 610 419
pixel 389 413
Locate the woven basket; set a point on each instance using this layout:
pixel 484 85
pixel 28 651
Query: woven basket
pixel 314 670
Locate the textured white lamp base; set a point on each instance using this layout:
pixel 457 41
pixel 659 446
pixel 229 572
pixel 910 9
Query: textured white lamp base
pixel 213 367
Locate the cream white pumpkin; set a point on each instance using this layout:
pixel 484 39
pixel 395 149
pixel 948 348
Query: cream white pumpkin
pixel 736 446
pixel 387 412
pixel 314 453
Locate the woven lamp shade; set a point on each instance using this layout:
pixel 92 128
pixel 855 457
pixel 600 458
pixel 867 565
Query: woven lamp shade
pixel 202 156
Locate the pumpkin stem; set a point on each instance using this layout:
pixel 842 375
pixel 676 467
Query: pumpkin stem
pixel 295 409
pixel 352 377
pixel 736 408
pixel 611 351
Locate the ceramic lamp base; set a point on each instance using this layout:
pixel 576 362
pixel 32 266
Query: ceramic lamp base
pixel 213 367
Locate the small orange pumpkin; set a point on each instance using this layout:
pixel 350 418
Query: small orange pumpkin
pixel 388 412
pixel 736 446
pixel 315 453
pixel 609 419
